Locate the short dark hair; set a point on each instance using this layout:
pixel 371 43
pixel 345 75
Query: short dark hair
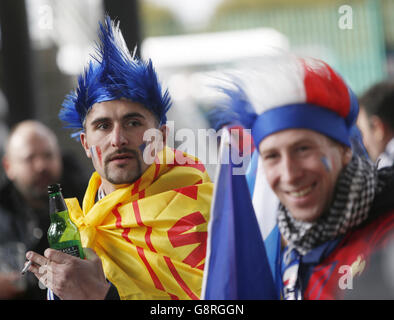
pixel 378 100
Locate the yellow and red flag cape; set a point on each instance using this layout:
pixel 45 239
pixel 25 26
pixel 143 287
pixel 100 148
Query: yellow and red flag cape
pixel 151 235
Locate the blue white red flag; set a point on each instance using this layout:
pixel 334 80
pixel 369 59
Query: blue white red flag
pixel 265 204
pixel 236 265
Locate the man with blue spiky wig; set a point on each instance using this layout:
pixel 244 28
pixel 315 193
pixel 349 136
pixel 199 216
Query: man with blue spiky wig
pixel 134 213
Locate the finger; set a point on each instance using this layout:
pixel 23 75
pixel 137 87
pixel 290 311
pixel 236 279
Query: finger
pixel 90 254
pixel 58 256
pixel 36 258
pixel 40 272
pixel 34 268
pixel 39 269
pixel 43 277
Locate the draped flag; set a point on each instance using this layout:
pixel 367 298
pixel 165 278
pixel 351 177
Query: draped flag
pixel 151 235
pixel 265 204
pixel 236 264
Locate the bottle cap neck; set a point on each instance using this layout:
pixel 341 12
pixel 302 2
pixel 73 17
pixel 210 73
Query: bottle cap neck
pixel 54 194
pixel 56 203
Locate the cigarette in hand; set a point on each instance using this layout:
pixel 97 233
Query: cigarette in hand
pixel 26 267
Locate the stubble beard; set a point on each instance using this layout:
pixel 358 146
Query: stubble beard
pixel 122 175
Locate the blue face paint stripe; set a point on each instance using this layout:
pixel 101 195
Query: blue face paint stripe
pixel 92 153
pixel 326 163
pixel 142 147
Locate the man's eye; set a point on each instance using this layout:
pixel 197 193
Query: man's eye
pixel 133 123
pixel 102 126
pixel 270 156
pixel 303 148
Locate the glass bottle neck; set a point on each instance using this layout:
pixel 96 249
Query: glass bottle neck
pixel 56 203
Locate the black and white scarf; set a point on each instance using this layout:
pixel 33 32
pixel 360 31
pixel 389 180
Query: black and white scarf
pixel 358 184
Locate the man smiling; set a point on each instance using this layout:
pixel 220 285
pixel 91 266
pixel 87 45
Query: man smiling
pixel 303 182
pixel 134 214
pixel 335 208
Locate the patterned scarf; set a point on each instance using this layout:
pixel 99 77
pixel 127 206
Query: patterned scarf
pixel 358 184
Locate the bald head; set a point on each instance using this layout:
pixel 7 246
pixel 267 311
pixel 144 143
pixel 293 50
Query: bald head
pixel 32 159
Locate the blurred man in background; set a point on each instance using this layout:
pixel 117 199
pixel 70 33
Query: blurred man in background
pixel 376 121
pixel 32 160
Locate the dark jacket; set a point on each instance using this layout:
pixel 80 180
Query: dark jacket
pixel 325 270
pixel 21 223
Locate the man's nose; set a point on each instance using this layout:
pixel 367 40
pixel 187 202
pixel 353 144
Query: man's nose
pixel 118 137
pixel 291 171
pixel 40 163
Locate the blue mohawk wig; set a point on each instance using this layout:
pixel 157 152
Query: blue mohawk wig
pixel 234 109
pixel 114 74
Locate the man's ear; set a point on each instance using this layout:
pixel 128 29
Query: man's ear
pixel 378 128
pixel 347 155
pixel 85 145
pixel 7 168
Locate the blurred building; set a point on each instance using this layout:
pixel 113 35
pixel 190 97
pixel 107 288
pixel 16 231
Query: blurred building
pixel 355 36
pixel 192 66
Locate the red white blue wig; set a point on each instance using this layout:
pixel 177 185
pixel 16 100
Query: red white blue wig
pixel 114 74
pixel 289 92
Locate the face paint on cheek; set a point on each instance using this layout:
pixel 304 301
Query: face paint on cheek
pixel 142 147
pixel 326 163
pixel 95 151
pixel 99 155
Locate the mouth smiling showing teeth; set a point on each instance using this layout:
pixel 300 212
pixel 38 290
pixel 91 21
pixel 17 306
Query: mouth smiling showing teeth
pixel 302 192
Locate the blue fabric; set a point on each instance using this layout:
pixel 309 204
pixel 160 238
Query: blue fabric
pixel 272 245
pixel 290 259
pixel 252 172
pixel 301 116
pixel 314 258
pixel 272 241
pixel 238 267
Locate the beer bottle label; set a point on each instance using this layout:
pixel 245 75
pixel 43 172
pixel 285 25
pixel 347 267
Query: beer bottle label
pixel 71 247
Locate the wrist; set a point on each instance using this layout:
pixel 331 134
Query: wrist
pixel 102 293
pixel 112 293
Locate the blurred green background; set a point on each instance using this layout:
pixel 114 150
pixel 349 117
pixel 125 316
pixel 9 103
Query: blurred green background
pixel 46 43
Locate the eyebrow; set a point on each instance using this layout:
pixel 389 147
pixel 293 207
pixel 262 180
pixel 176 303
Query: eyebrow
pixel 268 151
pixel 124 117
pixel 292 145
pixel 133 115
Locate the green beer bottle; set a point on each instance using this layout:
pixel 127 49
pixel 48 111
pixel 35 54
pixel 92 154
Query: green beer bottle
pixel 63 234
